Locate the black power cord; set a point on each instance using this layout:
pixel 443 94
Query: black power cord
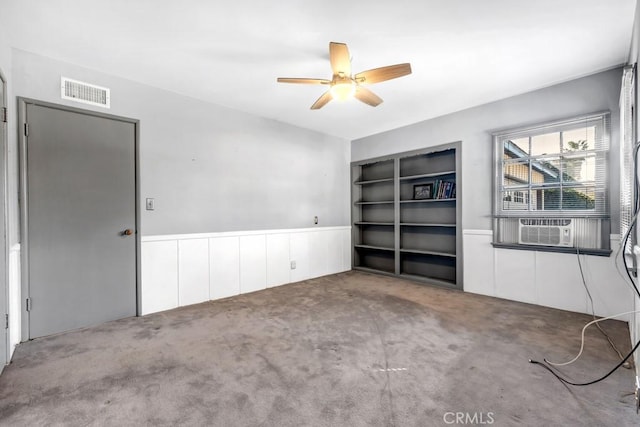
pixel 624 243
pixel 566 381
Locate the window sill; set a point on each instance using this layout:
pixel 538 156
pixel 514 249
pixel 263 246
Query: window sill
pixel 557 249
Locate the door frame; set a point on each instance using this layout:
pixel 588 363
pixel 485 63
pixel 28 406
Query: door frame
pixel 23 184
pixel 4 219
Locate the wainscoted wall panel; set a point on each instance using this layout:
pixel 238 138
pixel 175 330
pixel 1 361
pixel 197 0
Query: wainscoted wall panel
pixel 516 275
pixel 334 258
pixel 224 267
pixel 561 286
pixel 300 254
pixel 193 271
pixel 346 249
pixel 15 306
pixel 278 261
pixel 478 258
pixel 159 287
pixel 253 263
pixel 318 254
pixel 544 278
pixel 187 269
pixel 607 287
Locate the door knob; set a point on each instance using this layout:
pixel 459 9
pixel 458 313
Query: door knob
pixel 127 232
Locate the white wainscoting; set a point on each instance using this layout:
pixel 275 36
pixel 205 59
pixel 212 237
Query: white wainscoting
pixel 15 292
pixel 179 270
pixel 544 278
pixel 634 324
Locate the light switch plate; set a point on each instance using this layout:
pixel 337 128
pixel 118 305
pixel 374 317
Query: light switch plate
pixel 151 203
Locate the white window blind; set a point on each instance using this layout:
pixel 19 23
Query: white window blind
pixel 627 100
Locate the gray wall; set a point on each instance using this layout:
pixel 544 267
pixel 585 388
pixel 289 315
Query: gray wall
pixel 211 168
pixel 474 126
pixel 11 162
pixel 6 205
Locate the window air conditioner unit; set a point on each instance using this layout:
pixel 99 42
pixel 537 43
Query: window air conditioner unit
pixel 545 232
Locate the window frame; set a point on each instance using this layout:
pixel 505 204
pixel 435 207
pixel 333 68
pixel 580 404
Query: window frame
pixel 602 206
pixel 592 226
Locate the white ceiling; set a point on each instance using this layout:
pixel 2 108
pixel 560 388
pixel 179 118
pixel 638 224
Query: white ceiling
pixel 463 52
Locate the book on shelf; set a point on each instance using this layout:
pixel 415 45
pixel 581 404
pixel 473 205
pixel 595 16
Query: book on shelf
pixel 444 189
pixel 448 190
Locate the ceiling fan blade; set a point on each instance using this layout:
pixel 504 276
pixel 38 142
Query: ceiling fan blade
pixel 383 73
pixel 368 97
pixel 322 101
pixel 304 81
pixel 340 59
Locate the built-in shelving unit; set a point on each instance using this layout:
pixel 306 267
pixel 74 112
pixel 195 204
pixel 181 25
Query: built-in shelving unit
pixel 406 215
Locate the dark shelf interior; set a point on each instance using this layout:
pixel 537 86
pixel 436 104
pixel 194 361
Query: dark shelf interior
pixel 429 177
pixel 416 224
pixel 376 171
pixel 432 239
pixel 437 267
pixel 382 191
pixel 427 200
pixel 377 213
pixel 376 235
pixel 428 212
pixel 435 162
pixel 375 259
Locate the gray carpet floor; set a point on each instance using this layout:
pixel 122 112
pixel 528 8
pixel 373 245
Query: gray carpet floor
pixel 352 349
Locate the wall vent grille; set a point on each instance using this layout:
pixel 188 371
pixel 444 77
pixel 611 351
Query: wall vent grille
pixel 85 93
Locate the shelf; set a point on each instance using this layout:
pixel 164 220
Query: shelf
pixel 421 252
pixel 426 175
pixel 373 181
pixel 384 202
pixel 413 224
pixel 427 200
pixel 429 280
pixel 376 223
pixel 375 248
pixel 373 270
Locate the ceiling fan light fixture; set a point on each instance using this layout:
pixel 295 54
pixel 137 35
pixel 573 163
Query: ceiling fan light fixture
pixel 344 85
pixel 342 91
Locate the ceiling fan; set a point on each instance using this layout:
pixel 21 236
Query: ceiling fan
pixel 344 85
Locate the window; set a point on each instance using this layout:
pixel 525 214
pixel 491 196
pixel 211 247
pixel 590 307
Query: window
pixel 556 170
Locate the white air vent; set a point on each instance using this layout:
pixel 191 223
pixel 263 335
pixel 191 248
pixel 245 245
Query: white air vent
pixel 85 93
pixel 545 232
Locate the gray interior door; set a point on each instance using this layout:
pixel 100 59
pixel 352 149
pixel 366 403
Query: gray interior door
pixel 4 276
pixel 80 178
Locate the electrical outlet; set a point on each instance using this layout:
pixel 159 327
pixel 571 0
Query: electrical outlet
pixel 293 265
pixel 315 219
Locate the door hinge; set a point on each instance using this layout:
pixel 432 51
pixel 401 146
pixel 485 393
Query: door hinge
pixel 26 129
pixel 4 114
pixel 28 304
pixel 6 321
